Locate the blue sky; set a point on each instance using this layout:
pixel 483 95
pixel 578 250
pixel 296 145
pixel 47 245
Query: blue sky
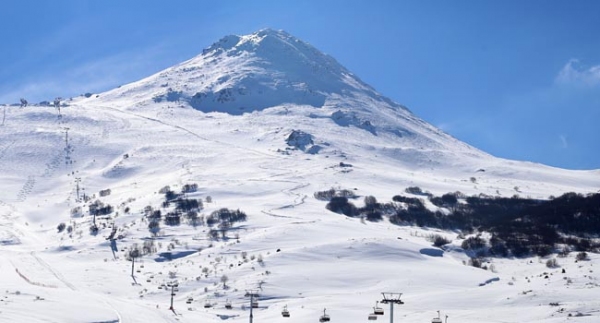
pixel 517 79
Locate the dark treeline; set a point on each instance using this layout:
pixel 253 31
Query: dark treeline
pixel 187 209
pixel 518 226
pixel 99 208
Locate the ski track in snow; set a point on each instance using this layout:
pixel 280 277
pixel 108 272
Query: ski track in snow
pixel 54 272
pixel 26 189
pixel 191 132
pixel 5 150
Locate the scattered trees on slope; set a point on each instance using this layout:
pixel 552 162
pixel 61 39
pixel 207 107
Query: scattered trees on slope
pixel 518 226
pixel 187 209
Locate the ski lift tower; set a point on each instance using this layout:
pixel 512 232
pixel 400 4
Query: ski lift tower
pixel 77 181
pixel 391 298
pixel 253 303
pixel 173 285
pixel 66 130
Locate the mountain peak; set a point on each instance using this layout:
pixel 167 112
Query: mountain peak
pixel 273 32
pixel 270 32
pixel 253 72
pixel 254 39
pixel 265 40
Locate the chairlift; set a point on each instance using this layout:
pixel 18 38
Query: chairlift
pixel 324 317
pixel 285 312
pixel 437 319
pixel 377 310
pixel 228 305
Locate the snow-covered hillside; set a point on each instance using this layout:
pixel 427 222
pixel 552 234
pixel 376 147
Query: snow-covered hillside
pixel 259 123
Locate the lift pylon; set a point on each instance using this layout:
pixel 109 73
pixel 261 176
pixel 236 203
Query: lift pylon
pixel 391 298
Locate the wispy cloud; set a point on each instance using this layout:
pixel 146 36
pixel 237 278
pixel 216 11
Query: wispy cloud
pixel 563 141
pixel 445 126
pixel 93 76
pixel 543 124
pixel 574 73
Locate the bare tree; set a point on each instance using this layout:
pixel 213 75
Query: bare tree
pixel 224 280
pixel 57 104
pixel 213 234
pixel 134 252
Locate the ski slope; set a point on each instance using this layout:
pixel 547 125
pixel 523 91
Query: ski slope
pixel 256 90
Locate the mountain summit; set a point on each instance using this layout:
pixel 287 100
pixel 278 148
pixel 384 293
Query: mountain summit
pixel 271 68
pixel 246 73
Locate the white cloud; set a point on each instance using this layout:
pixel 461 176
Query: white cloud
pixel 563 141
pixel 446 127
pixel 574 73
pixel 91 76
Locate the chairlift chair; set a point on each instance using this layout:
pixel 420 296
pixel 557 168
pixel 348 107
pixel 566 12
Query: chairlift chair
pixel 189 300
pixel 372 317
pixel 207 304
pixel 254 303
pixel 437 319
pixel 228 305
pixel 377 310
pixel 324 317
pixel 285 312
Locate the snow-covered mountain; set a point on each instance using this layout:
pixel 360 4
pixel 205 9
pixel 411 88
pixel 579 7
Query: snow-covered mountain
pixel 260 123
pixel 267 69
pixel 279 83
